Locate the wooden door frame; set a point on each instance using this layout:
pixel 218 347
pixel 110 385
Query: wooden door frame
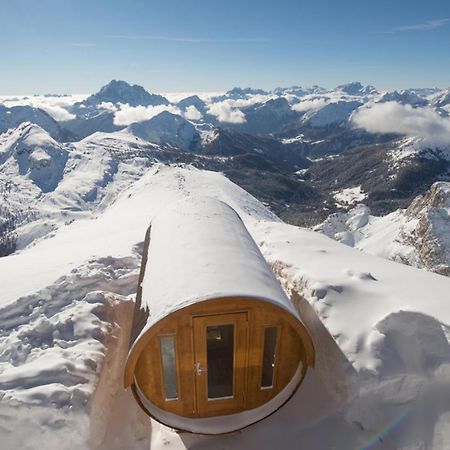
pixel 205 407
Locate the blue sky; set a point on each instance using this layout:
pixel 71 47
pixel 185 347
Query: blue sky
pixel 187 45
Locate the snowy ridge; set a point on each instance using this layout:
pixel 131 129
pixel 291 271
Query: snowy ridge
pixel 167 128
pixel 11 117
pixel 417 236
pixel 394 316
pixel 418 146
pixel 34 155
pixel 117 91
pixel 45 184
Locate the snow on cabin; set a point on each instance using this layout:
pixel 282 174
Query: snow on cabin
pixel 216 343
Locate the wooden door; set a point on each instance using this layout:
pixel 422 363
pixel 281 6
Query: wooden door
pixel 220 350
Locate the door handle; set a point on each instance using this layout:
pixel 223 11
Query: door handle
pixel 199 369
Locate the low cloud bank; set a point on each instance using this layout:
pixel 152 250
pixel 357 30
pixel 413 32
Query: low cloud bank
pixel 55 106
pixel 392 117
pixel 57 112
pixel 130 114
pixel 192 113
pixel 229 110
pixel 226 112
pixel 308 105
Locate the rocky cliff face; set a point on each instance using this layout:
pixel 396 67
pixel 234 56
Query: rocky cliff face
pixel 418 236
pixel 431 237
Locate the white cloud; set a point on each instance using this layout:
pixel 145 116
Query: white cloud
pixel 192 113
pixel 109 105
pixel 229 110
pixel 56 106
pixel 249 101
pixel 427 25
pixel 225 112
pixel 175 97
pixel 58 113
pixel 307 105
pixel 130 114
pixel 392 117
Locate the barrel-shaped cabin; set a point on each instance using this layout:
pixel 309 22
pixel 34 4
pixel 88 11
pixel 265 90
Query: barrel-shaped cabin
pixel 216 343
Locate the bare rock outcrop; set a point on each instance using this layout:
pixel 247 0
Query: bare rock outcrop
pixel 431 238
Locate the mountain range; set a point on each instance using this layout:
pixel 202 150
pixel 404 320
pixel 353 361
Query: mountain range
pixel 346 192
pixel 293 148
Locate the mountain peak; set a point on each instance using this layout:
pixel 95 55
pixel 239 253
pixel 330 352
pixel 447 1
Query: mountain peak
pixel 356 88
pixel 242 92
pixel 167 129
pixel 119 91
pixel 27 136
pixel 299 91
pixel 193 100
pixel 30 151
pixel 404 97
pixel 11 117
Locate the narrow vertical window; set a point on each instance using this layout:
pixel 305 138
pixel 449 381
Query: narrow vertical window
pixel 269 355
pixel 169 367
pixel 220 361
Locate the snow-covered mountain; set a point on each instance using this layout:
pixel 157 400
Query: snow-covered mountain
pixel 65 327
pixel 355 88
pixel 390 173
pixel 73 217
pixel 315 123
pixel 31 153
pixel 195 101
pixel 441 99
pixel 404 97
pixel 97 112
pixel 118 91
pixel 322 125
pixel 332 113
pixel 11 117
pixel 299 91
pixel 167 129
pixel 417 235
pixel 229 143
pixel 238 93
pixel 92 121
pixel 264 118
pixel 44 183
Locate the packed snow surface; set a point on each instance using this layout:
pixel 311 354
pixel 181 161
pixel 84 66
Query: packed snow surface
pixel 381 329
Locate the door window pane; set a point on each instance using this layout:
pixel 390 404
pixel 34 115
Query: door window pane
pixel 220 360
pixel 268 363
pixel 167 345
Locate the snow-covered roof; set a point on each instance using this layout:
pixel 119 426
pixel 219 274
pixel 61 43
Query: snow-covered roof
pixel 200 249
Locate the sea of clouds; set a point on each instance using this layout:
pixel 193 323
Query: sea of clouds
pixel 428 123
pixel 393 117
pixel 54 105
